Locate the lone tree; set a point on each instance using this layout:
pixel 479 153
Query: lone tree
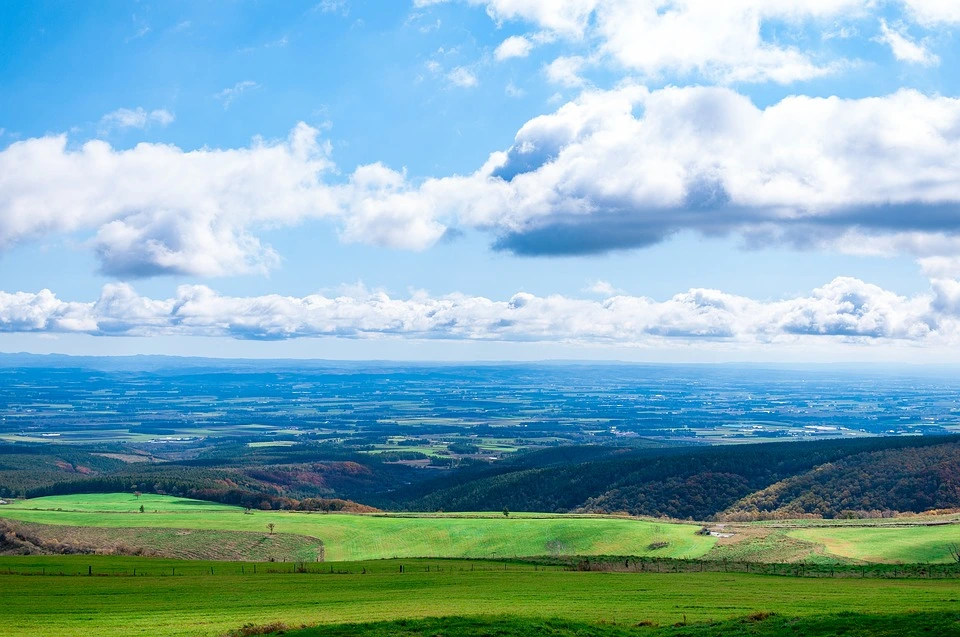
pixel 954 549
pixel 271 527
pixel 506 512
pixel 137 494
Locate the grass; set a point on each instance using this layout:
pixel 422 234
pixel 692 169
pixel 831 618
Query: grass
pixel 194 603
pixel 490 535
pixel 364 537
pixel 184 544
pixel 117 503
pixel 758 624
pixel 878 544
pixel 754 544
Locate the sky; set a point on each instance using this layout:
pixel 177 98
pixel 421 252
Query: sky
pixel 650 180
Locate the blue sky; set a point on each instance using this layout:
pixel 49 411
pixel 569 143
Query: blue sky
pixel 649 180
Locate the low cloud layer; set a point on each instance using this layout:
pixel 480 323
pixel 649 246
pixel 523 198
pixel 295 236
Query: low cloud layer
pixel 846 310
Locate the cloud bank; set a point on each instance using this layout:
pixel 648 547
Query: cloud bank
pixel 846 310
pixel 629 167
pixel 610 170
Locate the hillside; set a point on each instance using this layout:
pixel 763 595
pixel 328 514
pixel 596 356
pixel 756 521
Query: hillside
pixel 701 483
pixel 861 477
pixel 916 479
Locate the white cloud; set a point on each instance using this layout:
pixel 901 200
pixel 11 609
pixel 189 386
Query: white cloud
pixel 602 288
pixel 941 267
pixel 610 170
pixel 565 71
pixel 845 310
pixel 721 41
pixel 932 13
pixel 516 46
pixel 125 118
pixel 384 209
pixel 158 209
pixel 462 77
pixel 627 168
pixel 566 17
pixel 905 49
pixel 228 95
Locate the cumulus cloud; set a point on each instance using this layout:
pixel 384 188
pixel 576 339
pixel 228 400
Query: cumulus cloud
pixel 846 309
pixel 720 41
pixel 565 71
pixel 610 170
pixel 516 46
pixel 125 118
pixel 629 167
pixel 903 48
pixel 723 41
pixel 932 13
pixel 158 209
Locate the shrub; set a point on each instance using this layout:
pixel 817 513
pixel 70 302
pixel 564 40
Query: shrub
pixel 250 630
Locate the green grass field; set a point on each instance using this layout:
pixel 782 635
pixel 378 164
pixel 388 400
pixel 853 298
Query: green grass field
pixel 118 503
pixel 472 535
pixel 365 537
pixel 195 602
pixel 900 544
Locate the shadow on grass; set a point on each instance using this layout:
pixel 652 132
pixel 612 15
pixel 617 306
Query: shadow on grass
pixel 759 624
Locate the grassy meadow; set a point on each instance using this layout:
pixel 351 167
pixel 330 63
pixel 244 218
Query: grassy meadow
pixel 197 601
pixel 885 544
pixel 366 537
pixel 181 527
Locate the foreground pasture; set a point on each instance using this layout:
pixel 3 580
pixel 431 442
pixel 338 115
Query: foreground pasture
pixel 197 601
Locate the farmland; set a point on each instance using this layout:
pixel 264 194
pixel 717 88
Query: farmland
pixel 167 405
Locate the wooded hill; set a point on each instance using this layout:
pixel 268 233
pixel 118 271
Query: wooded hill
pixel 828 478
pixel 831 478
